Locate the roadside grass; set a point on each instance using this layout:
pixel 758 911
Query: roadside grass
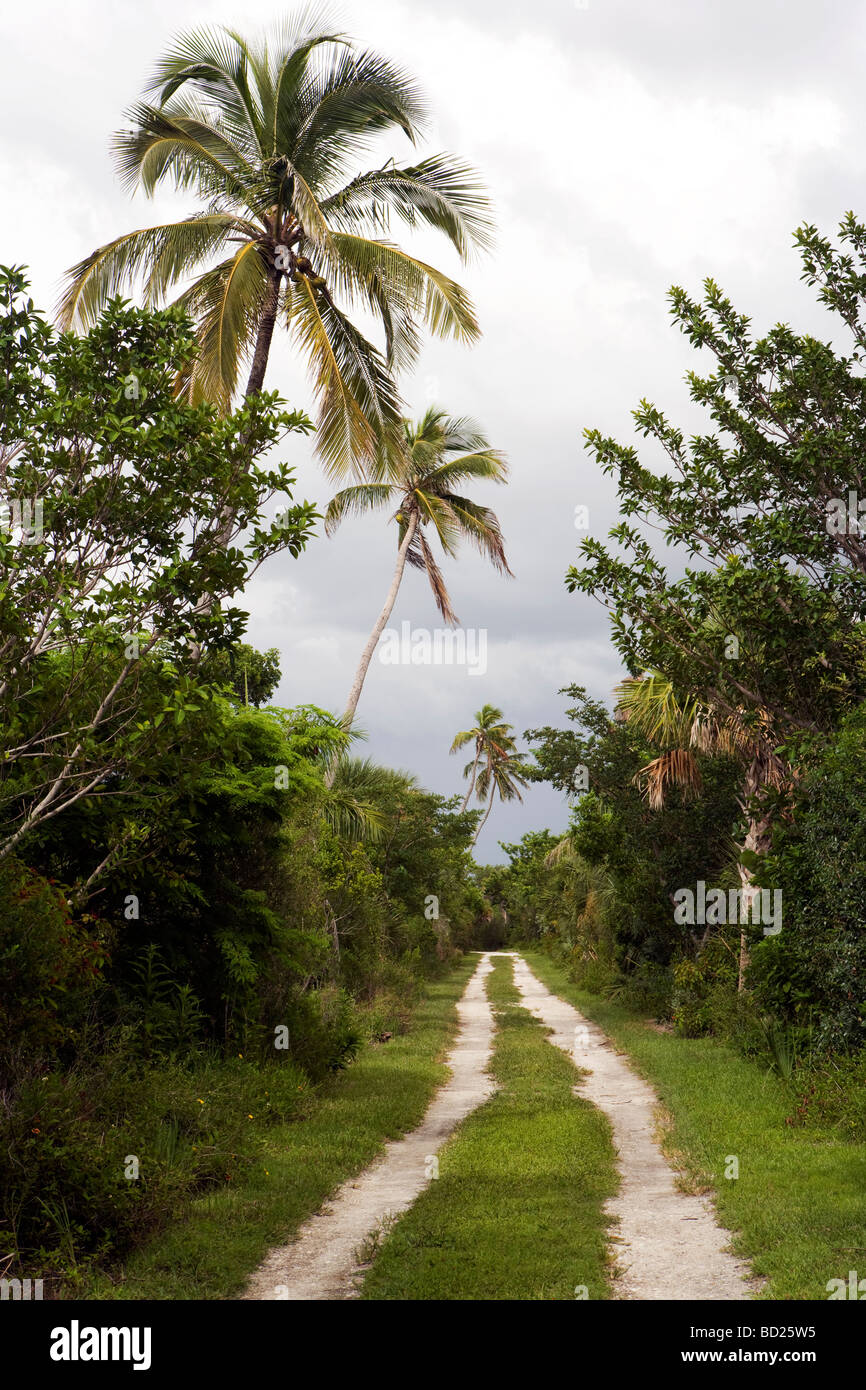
pixel 384 1093
pixel 516 1212
pixel 798 1206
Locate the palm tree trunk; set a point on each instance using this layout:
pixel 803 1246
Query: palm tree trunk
pixel 261 352
pixel 471 782
pixel 367 654
pixel 264 337
pixel 486 814
pixel 256 380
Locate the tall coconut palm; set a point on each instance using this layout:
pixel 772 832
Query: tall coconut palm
pixel 271 135
pixel 439 455
pixel 689 726
pixel 497 765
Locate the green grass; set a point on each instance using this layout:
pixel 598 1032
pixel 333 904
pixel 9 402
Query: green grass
pixel 799 1204
pixel 516 1212
pixel 384 1093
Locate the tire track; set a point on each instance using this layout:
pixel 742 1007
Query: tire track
pixel 669 1244
pixel 321 1262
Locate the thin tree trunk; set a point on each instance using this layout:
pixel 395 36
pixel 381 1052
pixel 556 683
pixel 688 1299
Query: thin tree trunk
pixel 757 840
pixel 486 814
pixel 471 782
pixel 367 654
pixel 334 932
pixel 747 896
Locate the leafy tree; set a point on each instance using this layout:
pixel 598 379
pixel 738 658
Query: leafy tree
pixel 425 858
pixel 253 676
pixel 440 454
pixel 523 891
pixel 764 623
pixel 106 605
pixel 270 135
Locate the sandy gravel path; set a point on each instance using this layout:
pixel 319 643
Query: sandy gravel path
pixel 669 1245
pixel 320 1263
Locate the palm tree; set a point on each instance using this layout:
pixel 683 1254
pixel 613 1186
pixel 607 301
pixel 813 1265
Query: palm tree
pixel 501 766
pixel 438 455
pixel 270 135
pixel 489 732
pixel 652 707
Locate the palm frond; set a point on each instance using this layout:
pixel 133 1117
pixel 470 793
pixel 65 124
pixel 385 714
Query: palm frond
pixel 358 401
pixel 154 255
pixel 439 301
pixel 437 581
pixel 227 303
pixel 348 98
pixel 215 62
pixel 286 75
pixel 460 741
pixel 179 143
pixel 356 501
pixel 650 704
pixel 352 818
pixel 437 512
pixel 675 768
pixel 561 852
pixel 440 191
pixel 488 465
pixel 481 526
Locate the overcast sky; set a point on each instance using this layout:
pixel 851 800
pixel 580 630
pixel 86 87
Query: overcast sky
pixel 627 146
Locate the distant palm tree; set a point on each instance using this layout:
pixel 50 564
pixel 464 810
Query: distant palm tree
pixel 269 134
pixel 651 706
pixel 497 765
pixel 439 455
pixel 489 732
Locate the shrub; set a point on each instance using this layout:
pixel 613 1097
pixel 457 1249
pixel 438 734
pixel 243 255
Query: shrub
pixel 49 963
pixel 68 1194
pixel 647 990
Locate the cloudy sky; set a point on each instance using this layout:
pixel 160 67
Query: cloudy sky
pixel 627 146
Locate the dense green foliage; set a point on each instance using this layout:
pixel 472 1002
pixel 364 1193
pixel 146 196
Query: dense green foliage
pixel 197 923
pixel 272 922
pixel 814 974
pixel 732 762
